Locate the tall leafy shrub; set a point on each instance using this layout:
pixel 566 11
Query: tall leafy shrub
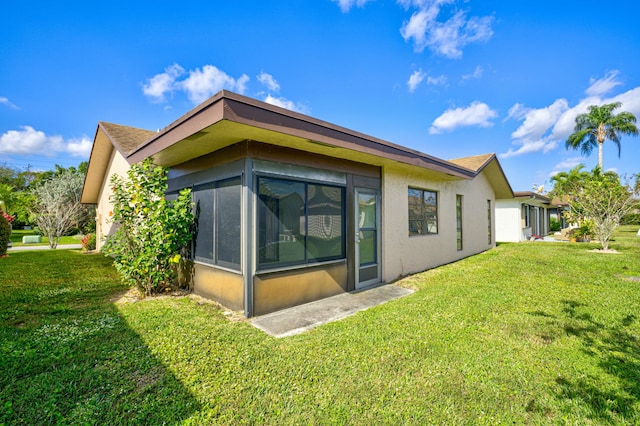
pixel 5 233
pixel 151 231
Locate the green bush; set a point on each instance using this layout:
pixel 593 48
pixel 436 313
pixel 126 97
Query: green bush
pixel 631 219
pixel 5 233
pixel 152 231
pixel 554 224
pixel 89 242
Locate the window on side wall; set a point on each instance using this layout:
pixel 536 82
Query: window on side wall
pixel 423 211
pixel 218 219
pixel 459 222
pixel 489 239
pixel 299 222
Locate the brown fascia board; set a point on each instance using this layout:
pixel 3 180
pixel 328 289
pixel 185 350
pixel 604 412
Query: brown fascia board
pixel 243 110
pixel 494 159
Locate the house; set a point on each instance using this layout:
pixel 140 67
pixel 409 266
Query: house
pixel 111 145
pixel 292 209
pixel 525 215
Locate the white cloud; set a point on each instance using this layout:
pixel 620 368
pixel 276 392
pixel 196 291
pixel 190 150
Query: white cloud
pixel 442 79
pixel 530 135
pixel 419 76
pixel 476 114
pixel 241 83
pixel 346 5
pixel 415 79
pixel 285 103
pixel 604 84
pixel 518 112
pixel 79 147
pixel 476 74
pixel 7 102
pixel 566 165
pixel 446 38
pixel 268 81
pixel 199 84
pixel 544 129
pixel 29 141
pixel 160 84
pixel 202 84
pixel 538 121
pixel 630 101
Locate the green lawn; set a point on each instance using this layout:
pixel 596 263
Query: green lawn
pixel 17 234
pixel 530 333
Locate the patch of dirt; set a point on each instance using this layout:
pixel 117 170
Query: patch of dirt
pixel 233 316
pixel 608 251
pixel 133 295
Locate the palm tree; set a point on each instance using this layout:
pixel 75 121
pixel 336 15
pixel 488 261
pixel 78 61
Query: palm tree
pixel 598 125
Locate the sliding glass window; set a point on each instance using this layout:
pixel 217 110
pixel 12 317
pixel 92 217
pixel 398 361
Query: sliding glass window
pixel 299 222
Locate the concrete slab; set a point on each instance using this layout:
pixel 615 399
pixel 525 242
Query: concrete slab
pixel 299 319
pixel 46 247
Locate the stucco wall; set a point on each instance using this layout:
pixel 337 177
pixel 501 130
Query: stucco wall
pixel 117 165
pixel 508 221
pixel 403 254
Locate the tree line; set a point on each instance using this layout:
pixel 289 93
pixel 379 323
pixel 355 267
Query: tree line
pixel 48 201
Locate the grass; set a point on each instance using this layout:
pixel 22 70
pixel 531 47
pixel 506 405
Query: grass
pixel 529 333
pixel 17 234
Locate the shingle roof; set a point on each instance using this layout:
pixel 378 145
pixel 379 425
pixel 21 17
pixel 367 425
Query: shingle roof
pixel 126 138
pixel 474 163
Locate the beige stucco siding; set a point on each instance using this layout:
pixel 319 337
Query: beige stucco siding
pixel 117 165
pixel 403 254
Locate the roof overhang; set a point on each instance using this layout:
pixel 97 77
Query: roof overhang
pixel 228 118
pixel 532 197
pixel 98 163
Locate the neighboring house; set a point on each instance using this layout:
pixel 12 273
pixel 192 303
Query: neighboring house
pixel 523 216
pixel 292 209
pixel 111 146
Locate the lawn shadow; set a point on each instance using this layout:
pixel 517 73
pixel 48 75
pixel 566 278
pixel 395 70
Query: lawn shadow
pixel 616 350
pixel 67 355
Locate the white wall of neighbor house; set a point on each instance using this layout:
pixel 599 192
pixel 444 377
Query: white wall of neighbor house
pixel 117 165
pixel 403 254
pixel 508 221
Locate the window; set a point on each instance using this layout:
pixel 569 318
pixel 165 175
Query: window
pixel 423 212
pixel 218 218
pixel 526 215
pixel 299 222
pixel 459 222
pixel 489 222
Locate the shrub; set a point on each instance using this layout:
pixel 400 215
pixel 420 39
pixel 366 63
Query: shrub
pixel 5 233
pixel 89 242
pixel 152 231
pixel 631 219
pixel 554 224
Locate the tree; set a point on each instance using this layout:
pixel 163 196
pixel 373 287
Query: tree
pixel 599 124
pixel 564 181
pixel 152 231
pixel 57 207
pixel 603 199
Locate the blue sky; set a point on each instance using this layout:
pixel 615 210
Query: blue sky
pixel 449 78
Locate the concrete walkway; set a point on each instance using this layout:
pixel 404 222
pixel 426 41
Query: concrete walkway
pixel 299 319
pixel 45 247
